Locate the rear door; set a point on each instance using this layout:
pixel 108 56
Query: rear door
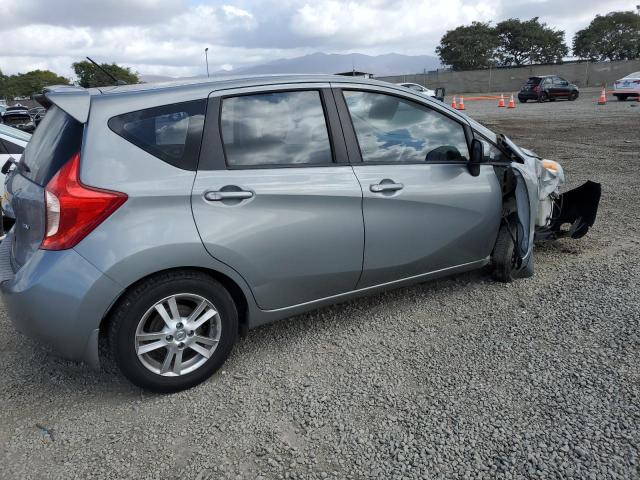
pixel 423 210
pixel 275 197
pixel 57 139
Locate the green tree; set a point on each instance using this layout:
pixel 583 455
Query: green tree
pixel 468 47
pixel 528 42
pixel 91 76
pixel 615 36
pixel 28 84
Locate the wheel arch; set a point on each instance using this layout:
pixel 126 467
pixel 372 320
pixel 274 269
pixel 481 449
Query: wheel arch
pixel 237 294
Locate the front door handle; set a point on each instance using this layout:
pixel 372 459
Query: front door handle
pixel 221 195
pixel 386 187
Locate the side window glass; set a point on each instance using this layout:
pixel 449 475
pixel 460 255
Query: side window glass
pixel 282 128
pixel 393 130
pixel 172 133
pixel 492 153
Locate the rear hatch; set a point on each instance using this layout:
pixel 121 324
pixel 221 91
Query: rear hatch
pixel 55 141
pixel 531 83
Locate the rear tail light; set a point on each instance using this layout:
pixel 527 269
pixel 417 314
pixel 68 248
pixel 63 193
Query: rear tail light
pixel 536 88
pixel 74 210
pixel 636 81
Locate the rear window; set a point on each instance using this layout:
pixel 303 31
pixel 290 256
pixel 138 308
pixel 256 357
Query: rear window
pixel 534 81
pixel 172 133
pixel 56 140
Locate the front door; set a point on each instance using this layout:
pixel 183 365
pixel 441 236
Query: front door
pixel 275 197
pixel 423 210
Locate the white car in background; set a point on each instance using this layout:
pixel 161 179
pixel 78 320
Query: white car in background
pixel 427 92
pixel 12 144
pixel 628 86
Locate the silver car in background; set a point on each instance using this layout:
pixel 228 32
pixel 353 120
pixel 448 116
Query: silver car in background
pixel 157 222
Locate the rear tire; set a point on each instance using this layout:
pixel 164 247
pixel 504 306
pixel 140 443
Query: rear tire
pixel 522 100
pixel 621 98
pixel 543 97
pixel 203 349
pixel 503 257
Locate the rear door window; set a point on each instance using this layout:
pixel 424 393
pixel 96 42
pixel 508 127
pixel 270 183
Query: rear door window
pixel 172 133
pixel 533 81
pixel 275 129
pixel 54 142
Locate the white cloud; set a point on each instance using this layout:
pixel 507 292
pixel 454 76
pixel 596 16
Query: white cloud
pixel 168 37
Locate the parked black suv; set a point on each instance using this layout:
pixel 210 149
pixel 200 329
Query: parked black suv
pixel 547 88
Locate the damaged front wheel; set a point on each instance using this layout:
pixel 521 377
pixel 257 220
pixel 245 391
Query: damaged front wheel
pixel 504 257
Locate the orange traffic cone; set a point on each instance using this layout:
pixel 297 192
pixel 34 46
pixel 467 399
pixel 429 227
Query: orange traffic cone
pixel 512 103
pixel 461 105
pixel 501 102
pixel 603 97
pixel 454 104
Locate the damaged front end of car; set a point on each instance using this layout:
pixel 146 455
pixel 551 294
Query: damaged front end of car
pixel 534 210
pixel 568 214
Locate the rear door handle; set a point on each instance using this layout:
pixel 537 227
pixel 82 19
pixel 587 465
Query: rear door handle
pixel 386 187
pixel 220 195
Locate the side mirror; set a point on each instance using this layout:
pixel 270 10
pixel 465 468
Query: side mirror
pixel 477 157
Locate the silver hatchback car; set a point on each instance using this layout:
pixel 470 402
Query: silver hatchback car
pixel 154 223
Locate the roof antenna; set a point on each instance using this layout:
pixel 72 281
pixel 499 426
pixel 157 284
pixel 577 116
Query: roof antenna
pixel 106 72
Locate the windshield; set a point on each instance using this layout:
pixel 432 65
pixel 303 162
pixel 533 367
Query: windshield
pixel 633 75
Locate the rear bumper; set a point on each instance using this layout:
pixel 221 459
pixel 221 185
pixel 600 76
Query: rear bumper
pixel 58 298
pixel 628 92
pixel 527 95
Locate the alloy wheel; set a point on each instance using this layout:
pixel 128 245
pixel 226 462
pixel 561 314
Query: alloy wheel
pixel 178 334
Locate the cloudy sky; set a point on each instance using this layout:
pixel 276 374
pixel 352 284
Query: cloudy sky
pixel 167 37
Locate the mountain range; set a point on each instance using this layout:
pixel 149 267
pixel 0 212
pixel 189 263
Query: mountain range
pixel 379 65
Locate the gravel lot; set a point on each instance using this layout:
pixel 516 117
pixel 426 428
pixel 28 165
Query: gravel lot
pixel 459 378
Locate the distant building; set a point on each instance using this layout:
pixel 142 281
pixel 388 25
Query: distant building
pixel 356 73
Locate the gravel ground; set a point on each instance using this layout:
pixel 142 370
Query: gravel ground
pixel 458 378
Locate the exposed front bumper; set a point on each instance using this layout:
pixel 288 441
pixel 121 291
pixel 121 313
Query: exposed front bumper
pixel 577 211
pixel 58 298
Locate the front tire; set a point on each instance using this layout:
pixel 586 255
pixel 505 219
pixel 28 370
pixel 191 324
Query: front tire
pixel 573 96
pixel 173 331
pixel 503 258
